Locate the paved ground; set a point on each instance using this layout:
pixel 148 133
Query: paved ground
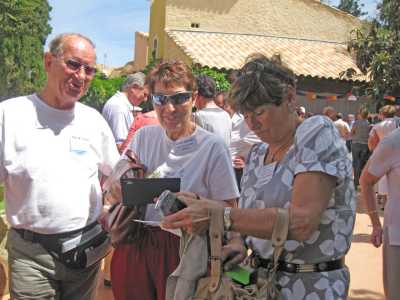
pixel 363 260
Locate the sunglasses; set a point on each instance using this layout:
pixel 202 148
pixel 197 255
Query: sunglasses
pixel 76 66
pixel 175 99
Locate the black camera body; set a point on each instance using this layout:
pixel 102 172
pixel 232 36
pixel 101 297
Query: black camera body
pixel 168 203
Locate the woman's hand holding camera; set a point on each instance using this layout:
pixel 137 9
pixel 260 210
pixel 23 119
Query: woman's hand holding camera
pixel 195 218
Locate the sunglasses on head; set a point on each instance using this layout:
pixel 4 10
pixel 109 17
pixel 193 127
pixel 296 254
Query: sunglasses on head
pixel 75 66
pixel 175 99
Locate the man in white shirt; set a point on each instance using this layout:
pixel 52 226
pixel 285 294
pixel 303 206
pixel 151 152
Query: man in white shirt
pixel 208 115
pixel 242 138
pixel 118 110
pixel 53 150
pixel 342 126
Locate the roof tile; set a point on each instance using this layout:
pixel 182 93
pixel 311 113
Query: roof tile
pixel 229 51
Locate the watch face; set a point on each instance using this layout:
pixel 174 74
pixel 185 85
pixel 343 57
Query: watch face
pixel 227 218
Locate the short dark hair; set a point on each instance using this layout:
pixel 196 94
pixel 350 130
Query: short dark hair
pixel 172 73
pixel 206 86
pixel 261 81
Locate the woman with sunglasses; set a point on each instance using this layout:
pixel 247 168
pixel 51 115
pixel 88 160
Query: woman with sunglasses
pixel 175 148
pixel 299 166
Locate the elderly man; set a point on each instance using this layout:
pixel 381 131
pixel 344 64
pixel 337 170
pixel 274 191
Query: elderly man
pixel 119 109
pixel 53 149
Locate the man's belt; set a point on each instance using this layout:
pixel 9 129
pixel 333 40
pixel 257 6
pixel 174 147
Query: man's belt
pixel 51 241
pixel 300 268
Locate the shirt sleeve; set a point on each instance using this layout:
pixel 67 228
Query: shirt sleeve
pixel 119 124
pixel 110 152
pixel 221 178
pixel 382 158
pixel 319 148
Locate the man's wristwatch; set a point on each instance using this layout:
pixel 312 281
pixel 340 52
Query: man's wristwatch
pixel 227 218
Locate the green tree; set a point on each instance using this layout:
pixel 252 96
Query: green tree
pixel 352 7
pixel 24 27
pixel 377 51
pixel 219 76
pixel 101 89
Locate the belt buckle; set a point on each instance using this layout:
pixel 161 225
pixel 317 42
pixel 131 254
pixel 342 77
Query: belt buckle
pixel 306 268
pixel 28 235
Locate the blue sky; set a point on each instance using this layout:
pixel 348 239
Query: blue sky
pixel 111 24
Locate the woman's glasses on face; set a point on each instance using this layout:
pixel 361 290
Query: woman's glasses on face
pixel 175 99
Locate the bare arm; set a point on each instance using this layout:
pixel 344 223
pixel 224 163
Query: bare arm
pixel 373 141
pixel 306 209
pixel 367 182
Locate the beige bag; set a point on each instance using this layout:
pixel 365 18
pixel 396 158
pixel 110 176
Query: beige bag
pixel 220 287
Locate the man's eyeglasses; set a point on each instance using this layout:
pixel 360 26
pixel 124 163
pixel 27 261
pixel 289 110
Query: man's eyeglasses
pixel 76 66
pixel 175 99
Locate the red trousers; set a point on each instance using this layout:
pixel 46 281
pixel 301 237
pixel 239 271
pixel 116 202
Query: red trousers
pixel 141 272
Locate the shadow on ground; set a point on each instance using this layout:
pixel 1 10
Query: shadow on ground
pixel 362 294
pixel 361 238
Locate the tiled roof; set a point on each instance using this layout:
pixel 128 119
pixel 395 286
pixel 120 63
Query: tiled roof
pixel 229 50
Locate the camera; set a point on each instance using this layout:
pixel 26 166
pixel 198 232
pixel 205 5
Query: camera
pixel 168 204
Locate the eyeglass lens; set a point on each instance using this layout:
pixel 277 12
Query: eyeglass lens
pixel 76 66
pixel 176 99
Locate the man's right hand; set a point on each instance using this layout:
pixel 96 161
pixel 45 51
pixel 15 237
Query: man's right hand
pixel 238 162
pixel 376 236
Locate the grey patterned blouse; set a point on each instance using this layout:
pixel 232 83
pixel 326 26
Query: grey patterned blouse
pixel 317 147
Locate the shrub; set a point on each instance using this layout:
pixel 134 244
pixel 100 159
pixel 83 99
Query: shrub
pixel 101 90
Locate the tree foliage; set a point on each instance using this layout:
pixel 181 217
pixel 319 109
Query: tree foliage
pixel 353 7
pixel 100 90
pixel 219 76
pixel 377 50
pixel 24 27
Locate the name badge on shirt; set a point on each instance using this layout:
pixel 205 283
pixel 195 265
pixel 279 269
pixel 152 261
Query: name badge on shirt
pixel 79 145
pixel 186 145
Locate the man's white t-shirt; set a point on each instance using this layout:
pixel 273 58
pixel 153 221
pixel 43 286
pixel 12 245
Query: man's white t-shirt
pixel 215 120
pixel 242 137
pixel 201 160
pixel 50 162
pixel 118 113
pixel 343 128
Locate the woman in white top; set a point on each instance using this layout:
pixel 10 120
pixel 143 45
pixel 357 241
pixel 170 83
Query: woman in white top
pixel 378 132
pixel 175 148
pixel 385 161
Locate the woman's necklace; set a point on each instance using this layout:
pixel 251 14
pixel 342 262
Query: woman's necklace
pixel 276 155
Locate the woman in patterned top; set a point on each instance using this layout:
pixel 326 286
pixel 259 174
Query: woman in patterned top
pixel 303 167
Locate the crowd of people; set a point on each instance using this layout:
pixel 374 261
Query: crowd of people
pixel 250 150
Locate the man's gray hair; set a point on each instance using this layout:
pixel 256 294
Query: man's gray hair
pixel 56 46
pixel 134 79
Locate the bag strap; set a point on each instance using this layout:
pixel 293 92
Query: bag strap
pixel 215 234
pixel 280 233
